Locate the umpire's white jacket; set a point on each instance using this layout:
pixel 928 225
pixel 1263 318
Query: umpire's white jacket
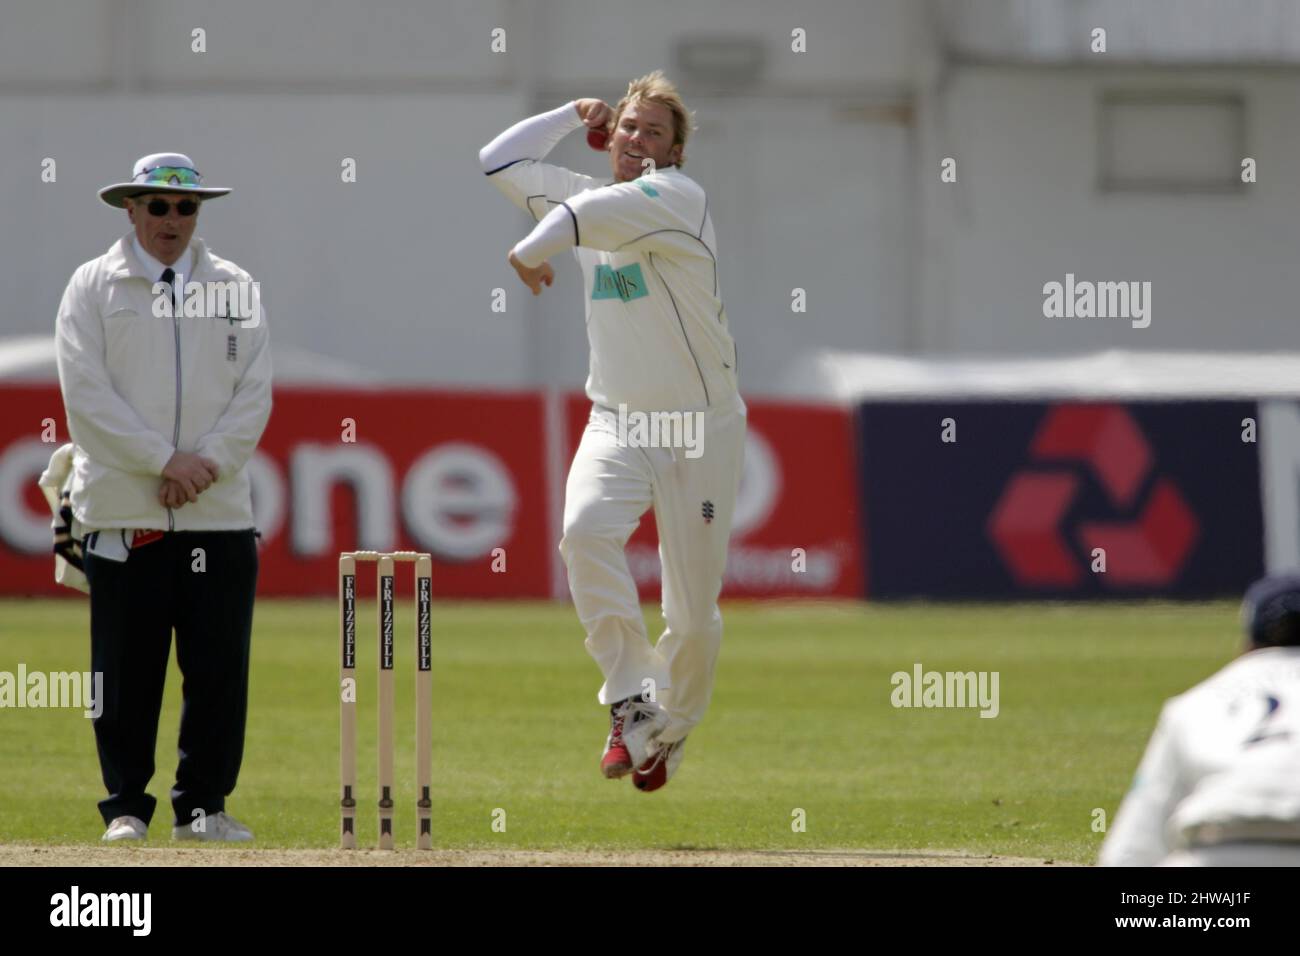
pixel 137 388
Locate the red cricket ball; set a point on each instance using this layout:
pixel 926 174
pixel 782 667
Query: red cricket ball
pixel 597 138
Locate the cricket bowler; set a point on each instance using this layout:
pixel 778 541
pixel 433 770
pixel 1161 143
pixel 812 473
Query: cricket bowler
pixel 659 344
pixel 1219 784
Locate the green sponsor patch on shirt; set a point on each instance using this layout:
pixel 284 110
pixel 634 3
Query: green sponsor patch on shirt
pixel 625 283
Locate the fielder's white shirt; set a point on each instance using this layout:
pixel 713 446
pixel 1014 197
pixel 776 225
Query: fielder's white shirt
pixel 1222 766
pixel 655 320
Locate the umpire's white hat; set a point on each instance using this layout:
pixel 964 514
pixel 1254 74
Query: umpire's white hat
pixel 161 173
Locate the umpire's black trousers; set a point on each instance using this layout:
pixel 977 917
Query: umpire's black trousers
pixel 134 606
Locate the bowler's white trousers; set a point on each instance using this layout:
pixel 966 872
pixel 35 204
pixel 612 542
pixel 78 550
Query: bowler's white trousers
pixel 611 485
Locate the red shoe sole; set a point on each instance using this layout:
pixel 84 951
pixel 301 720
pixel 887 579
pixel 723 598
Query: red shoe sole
pixel 617 763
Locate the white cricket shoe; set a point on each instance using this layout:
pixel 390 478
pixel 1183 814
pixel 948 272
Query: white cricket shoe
pixel 642 722
pixel 126 828
pixel 217 826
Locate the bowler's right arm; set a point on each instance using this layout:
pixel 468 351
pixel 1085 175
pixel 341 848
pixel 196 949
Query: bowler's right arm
pixel 513 162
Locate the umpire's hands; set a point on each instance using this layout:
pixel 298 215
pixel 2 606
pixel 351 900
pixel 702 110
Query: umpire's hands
pixel 186 475
pixel 171 494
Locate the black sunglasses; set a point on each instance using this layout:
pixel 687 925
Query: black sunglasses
pixel 160 207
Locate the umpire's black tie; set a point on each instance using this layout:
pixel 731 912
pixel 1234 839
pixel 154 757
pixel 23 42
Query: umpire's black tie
pixel 169 277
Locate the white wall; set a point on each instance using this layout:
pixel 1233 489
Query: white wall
pixel 1152 31
pixel 1027 209
pixel 851 44
pixel 303 44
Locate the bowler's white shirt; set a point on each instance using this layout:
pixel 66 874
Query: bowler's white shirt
pixel 655 320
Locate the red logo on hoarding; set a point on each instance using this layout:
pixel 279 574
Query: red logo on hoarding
pixel 1145 550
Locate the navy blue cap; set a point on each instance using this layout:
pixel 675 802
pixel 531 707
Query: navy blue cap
pixel 1270 612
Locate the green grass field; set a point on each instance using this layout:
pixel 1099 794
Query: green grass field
pixel 801 718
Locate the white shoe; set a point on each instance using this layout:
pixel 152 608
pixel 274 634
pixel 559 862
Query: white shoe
pixel 216 826
pixel 126 828
pixel 643 721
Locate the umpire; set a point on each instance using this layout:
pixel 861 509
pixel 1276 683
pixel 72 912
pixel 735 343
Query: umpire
pixel 165 409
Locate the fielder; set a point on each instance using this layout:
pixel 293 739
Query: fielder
pixel 659 343
pixel 1219 784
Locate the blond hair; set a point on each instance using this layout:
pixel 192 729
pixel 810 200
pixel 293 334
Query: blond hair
pixel 657 88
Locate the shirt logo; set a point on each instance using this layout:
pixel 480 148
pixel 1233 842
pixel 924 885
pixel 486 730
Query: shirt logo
pixel 647 189
pixel 626 283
